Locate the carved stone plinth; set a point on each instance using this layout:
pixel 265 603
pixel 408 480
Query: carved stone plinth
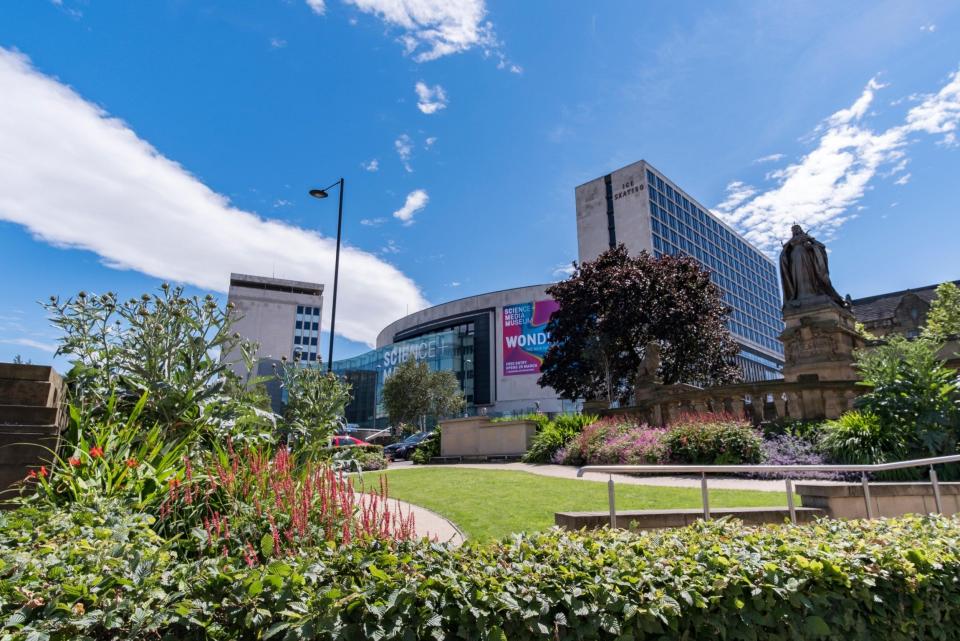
pixel 819 340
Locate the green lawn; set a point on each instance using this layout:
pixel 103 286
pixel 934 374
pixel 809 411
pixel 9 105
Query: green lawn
pixel 489 504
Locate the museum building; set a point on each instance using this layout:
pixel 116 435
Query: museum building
pixel 493 343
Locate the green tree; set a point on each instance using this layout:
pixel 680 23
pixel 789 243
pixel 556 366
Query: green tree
pixel 611 308
pixel 413 392
pixel 943 319
pixel 316 400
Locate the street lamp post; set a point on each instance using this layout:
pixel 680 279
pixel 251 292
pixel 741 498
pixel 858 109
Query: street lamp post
pixel 322 193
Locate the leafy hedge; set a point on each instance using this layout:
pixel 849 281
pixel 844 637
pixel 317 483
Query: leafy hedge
pixel 100 573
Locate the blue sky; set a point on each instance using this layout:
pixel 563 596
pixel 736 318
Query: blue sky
pixel 174 140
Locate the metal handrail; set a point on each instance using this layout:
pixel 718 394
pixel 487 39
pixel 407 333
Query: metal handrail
pixel 703 470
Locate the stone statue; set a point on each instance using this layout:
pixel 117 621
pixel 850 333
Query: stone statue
pixel 803 270
pixel 647 373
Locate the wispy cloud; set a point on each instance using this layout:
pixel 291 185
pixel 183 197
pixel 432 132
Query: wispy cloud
pixel 404 147
pixel 428 143
pixel 319 7
pixel 282 202
pixel 902 180
pixel 278 43
pixel 929 27
pixel 372 222
pixel 373 165
pixel 430 100
pixel 455 283
pixel 416 200
pixel 76 177
pixel 390 248
pixel 29 342
pixel 564 271
pixel 770 158
pixel 819 190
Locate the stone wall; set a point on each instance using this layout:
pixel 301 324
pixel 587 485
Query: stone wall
pixel 759 402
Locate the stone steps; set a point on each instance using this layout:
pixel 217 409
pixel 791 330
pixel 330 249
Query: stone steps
pixel 661 519
pixel 31 418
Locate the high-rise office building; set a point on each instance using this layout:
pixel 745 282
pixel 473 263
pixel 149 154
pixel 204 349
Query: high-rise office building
pixel 641 208
pixel 283 316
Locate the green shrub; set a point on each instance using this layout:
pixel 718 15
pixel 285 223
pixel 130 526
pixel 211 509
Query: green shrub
pixel 427 449
pixel 353 458
pixel 554 435
pixel 102 574
pixel 713 439
pixel 914 396
pixel 859 438
pixel 112 456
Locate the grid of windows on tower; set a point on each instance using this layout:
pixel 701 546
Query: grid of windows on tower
pixel 306 333
pixel 748 281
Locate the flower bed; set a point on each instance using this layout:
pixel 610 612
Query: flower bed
pixel 100 572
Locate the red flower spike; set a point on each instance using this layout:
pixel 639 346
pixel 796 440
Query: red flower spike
pixel 96 452
pixel 75 461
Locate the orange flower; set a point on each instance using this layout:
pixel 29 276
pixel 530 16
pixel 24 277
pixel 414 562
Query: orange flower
pixel 96 451
pixel 32 474
pixel 74 461
pixel 132 462
pixel 43 471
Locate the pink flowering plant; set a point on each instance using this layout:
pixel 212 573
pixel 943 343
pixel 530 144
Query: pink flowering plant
pixel 615 441
pixel 713 439
pixel 259 504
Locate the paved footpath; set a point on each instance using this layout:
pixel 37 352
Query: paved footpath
pixel 570 472
pixel 430 524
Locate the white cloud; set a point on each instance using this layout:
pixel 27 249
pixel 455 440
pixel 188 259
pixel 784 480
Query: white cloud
pixel 929 27
pixel 390 248
pixel 281 202
pixel 372 222
pixel 404 147
pixel 428 143
pixel 373 165
pixel 319 7
pixel 436 28
pixel 857 110
pixel 278 43
pixel 737 193
pixel 29 342
pixel 564 271
pixel 819 190
pixel 902 180
pixel 455 283
pixel 770 158
pixel 416 200
pixel 76 177
pixel 430 100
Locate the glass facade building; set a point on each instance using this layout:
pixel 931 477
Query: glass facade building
pixel 640 207
pixel 446 350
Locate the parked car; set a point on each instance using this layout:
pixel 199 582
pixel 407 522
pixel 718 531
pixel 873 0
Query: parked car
pixel 347 441
pixel 404 448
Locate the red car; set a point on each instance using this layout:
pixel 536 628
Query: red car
pixel 347 441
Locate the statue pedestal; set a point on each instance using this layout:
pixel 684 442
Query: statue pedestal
pixel 819 340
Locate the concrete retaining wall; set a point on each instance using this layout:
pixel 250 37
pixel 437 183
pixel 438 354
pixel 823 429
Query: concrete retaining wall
pixel 661 519
pixel 479 436
pixel 845 500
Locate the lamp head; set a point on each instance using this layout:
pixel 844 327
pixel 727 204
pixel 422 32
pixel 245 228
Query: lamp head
pixel 319 193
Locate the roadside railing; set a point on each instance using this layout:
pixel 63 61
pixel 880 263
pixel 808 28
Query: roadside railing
pixel 704 470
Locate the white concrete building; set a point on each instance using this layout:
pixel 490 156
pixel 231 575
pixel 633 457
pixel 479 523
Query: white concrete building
pixel 283 316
